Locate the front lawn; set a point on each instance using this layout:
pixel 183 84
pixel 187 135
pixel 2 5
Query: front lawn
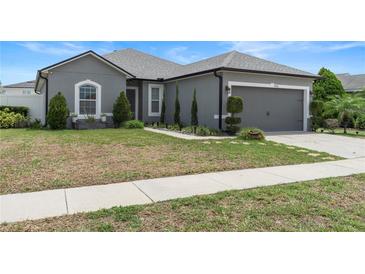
pixel 334 204
pixel 33 160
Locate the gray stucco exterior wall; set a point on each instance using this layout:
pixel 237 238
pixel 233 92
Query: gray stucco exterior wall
pixel 208 94
pixel 264 79
pixel 64 78
pixel 207 97
pixel 144 100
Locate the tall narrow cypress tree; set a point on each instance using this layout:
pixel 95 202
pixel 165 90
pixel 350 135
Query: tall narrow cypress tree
pixel 163 108
pixel 177 107
pixel 194 111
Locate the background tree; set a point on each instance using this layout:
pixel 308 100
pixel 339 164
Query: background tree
pixel 316 109
pixel 194 111
pixel 121 110
pixel 328 86
pixel 345 108
pixel 177 107
pixel 234 106
pixel 57 112
pixel 163 108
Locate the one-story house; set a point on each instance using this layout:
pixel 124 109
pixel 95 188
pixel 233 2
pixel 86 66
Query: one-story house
pixel 352 83
pixel 276 97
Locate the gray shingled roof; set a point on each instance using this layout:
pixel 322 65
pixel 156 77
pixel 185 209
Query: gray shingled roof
pixel 146 66
pixel 27 84
pixel 352 82
pixel 240 61
pixel 141 64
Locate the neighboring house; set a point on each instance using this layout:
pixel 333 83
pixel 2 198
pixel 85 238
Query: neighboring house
pixel 23 94
pixel 23 88
pixel 276 97
pixel 352 83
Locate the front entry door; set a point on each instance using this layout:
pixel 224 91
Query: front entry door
pixel 132 95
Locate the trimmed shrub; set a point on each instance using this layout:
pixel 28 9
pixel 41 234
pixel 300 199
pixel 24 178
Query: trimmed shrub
pixel 36 124
pixel 252 134
pixel 177 107
pixel 121 110
pixel 21 110
pixel 58 112
pixel 163 108
pixel 360 122
pixel 10 119
pixel 133 124
pixel 234 106
pixel 232 120
pixel 331 124
pixel 194 111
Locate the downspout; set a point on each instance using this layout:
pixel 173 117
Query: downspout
pixel 46 108
pixel 220 77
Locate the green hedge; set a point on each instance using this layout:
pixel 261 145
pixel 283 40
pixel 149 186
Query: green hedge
pixel 17 109
pixel 133 124
pixel 10 119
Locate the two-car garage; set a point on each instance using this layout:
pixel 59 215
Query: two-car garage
pixel 272 108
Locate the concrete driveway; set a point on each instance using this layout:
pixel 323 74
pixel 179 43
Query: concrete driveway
pixel 347 147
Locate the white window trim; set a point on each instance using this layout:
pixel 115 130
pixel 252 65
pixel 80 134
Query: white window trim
pixel 136 100
pixel 77 99
pixel 306 90
pixel 160 87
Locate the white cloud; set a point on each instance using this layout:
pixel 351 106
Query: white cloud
pixel 266 49
pixel 182 55
pixel 347 45
pixel 62 48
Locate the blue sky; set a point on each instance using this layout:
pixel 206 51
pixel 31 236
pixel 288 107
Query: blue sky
pixel 19 61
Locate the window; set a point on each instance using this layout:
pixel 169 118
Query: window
pixel 27 92
pixel 87 100
pixel 154 99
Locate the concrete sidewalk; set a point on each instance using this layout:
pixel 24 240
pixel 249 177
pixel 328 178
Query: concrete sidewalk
pixel 37 205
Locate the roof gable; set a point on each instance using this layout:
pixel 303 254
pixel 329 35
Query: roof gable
pixel 88 53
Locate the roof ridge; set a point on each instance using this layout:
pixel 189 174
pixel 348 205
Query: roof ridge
pixel 142 52
pixel 229 58
pixel 209 58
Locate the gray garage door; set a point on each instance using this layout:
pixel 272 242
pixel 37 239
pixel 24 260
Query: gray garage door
pixel 271 109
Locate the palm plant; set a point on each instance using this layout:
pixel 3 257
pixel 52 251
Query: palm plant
pixel 345 108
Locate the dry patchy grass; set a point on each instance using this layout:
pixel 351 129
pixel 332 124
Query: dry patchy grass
pixel 33 160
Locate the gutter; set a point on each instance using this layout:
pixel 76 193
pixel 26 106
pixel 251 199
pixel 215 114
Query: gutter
pixel 46 107
pixel 243 70
pixel 220 77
